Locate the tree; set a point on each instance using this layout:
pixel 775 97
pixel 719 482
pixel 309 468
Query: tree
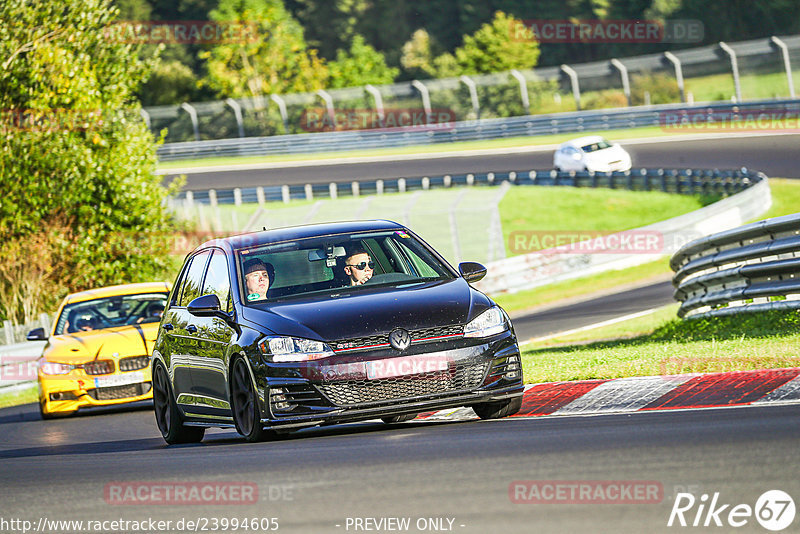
pixel 417 58
pixel 329 24
pixel 360 65
pixel 496 47
pixel 78 192
pixel 276 60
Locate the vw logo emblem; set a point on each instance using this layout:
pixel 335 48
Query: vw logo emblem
pixel 400 339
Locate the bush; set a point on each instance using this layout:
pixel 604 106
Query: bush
pixel 662 87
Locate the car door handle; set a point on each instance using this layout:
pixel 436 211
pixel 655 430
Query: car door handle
pixel 168 326
pixel 192 329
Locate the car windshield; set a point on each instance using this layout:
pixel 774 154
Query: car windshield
pixel 332 264
pixel 110 312
pixel 594 147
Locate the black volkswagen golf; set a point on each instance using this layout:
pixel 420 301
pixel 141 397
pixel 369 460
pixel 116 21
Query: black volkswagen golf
pixel 322 324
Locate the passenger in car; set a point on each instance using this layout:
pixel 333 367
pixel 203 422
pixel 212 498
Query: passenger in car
pixel 152 314
pixel 358 266
pixel 258 276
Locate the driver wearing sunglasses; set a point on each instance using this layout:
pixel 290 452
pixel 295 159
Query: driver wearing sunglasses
pixel 358 266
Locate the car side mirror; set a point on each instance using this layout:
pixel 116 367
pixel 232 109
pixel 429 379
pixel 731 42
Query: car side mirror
pixel 37 334
pixel 471 271
pixel 205 306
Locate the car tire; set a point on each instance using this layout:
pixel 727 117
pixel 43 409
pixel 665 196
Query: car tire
pixel 168 416
pixel 496 410
pixel 244 404
pixel 398 418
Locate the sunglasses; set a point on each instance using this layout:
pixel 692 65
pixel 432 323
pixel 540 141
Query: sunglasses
pixel 363 265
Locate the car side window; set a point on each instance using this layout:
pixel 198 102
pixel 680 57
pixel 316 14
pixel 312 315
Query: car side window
pixel 191 285
pixel 217 281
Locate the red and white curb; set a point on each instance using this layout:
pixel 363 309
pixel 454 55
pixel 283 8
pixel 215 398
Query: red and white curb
pixel 648 393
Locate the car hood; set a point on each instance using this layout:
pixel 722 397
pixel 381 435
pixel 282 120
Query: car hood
pixel 371 311
pixel 135 340
pixel 613 153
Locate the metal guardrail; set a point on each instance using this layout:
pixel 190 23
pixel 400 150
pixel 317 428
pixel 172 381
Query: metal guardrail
pixel 669 116
pixel 681 181
pixel 752 268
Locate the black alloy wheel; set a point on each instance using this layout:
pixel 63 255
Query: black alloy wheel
pixel 244 403
pixel 168 417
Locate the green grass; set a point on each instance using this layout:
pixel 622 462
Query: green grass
pixel 24 396
pixel 661 344
pixel 785 197
pixel 527 210
pixel 754 86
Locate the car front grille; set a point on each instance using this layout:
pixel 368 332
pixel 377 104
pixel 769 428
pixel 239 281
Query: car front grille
pixel 99 367
pixel 119 392
pixel 417 336
pixel 461 376
pixel 134 363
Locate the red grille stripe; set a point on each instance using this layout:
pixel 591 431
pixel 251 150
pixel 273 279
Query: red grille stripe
pixel 362 347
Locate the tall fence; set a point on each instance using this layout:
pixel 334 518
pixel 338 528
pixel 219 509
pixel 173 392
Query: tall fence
pixel 781 114
pixel 515 93
pixel 752 268
pixel 462 224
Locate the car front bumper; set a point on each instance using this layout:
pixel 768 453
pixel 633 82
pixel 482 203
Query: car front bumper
pixel 343 392
pixel 69 393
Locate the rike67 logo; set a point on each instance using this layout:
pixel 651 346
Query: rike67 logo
pixel 774 510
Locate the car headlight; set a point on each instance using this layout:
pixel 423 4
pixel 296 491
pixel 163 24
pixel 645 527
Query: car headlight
pixel 54 368
pixel 489 323
pixel 293 349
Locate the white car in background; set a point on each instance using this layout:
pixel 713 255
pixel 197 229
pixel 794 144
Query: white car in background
pixel 591 153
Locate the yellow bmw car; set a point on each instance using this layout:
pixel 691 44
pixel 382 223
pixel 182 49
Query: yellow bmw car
pixel 98 352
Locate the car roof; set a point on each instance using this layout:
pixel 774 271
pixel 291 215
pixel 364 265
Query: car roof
pixel 587 140
pixel 292 233
pixel 118 290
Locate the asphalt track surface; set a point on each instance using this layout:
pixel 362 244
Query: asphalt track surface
pixel 775 155
pixel 316 479
pixel 592 311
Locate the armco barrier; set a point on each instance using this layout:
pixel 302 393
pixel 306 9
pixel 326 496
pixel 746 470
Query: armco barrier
pixel 681 181
pixel 548 266
pixel 670 116
pixel 746 269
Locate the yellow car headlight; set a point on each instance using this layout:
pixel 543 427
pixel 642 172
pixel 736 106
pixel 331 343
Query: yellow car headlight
pixel 54 368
